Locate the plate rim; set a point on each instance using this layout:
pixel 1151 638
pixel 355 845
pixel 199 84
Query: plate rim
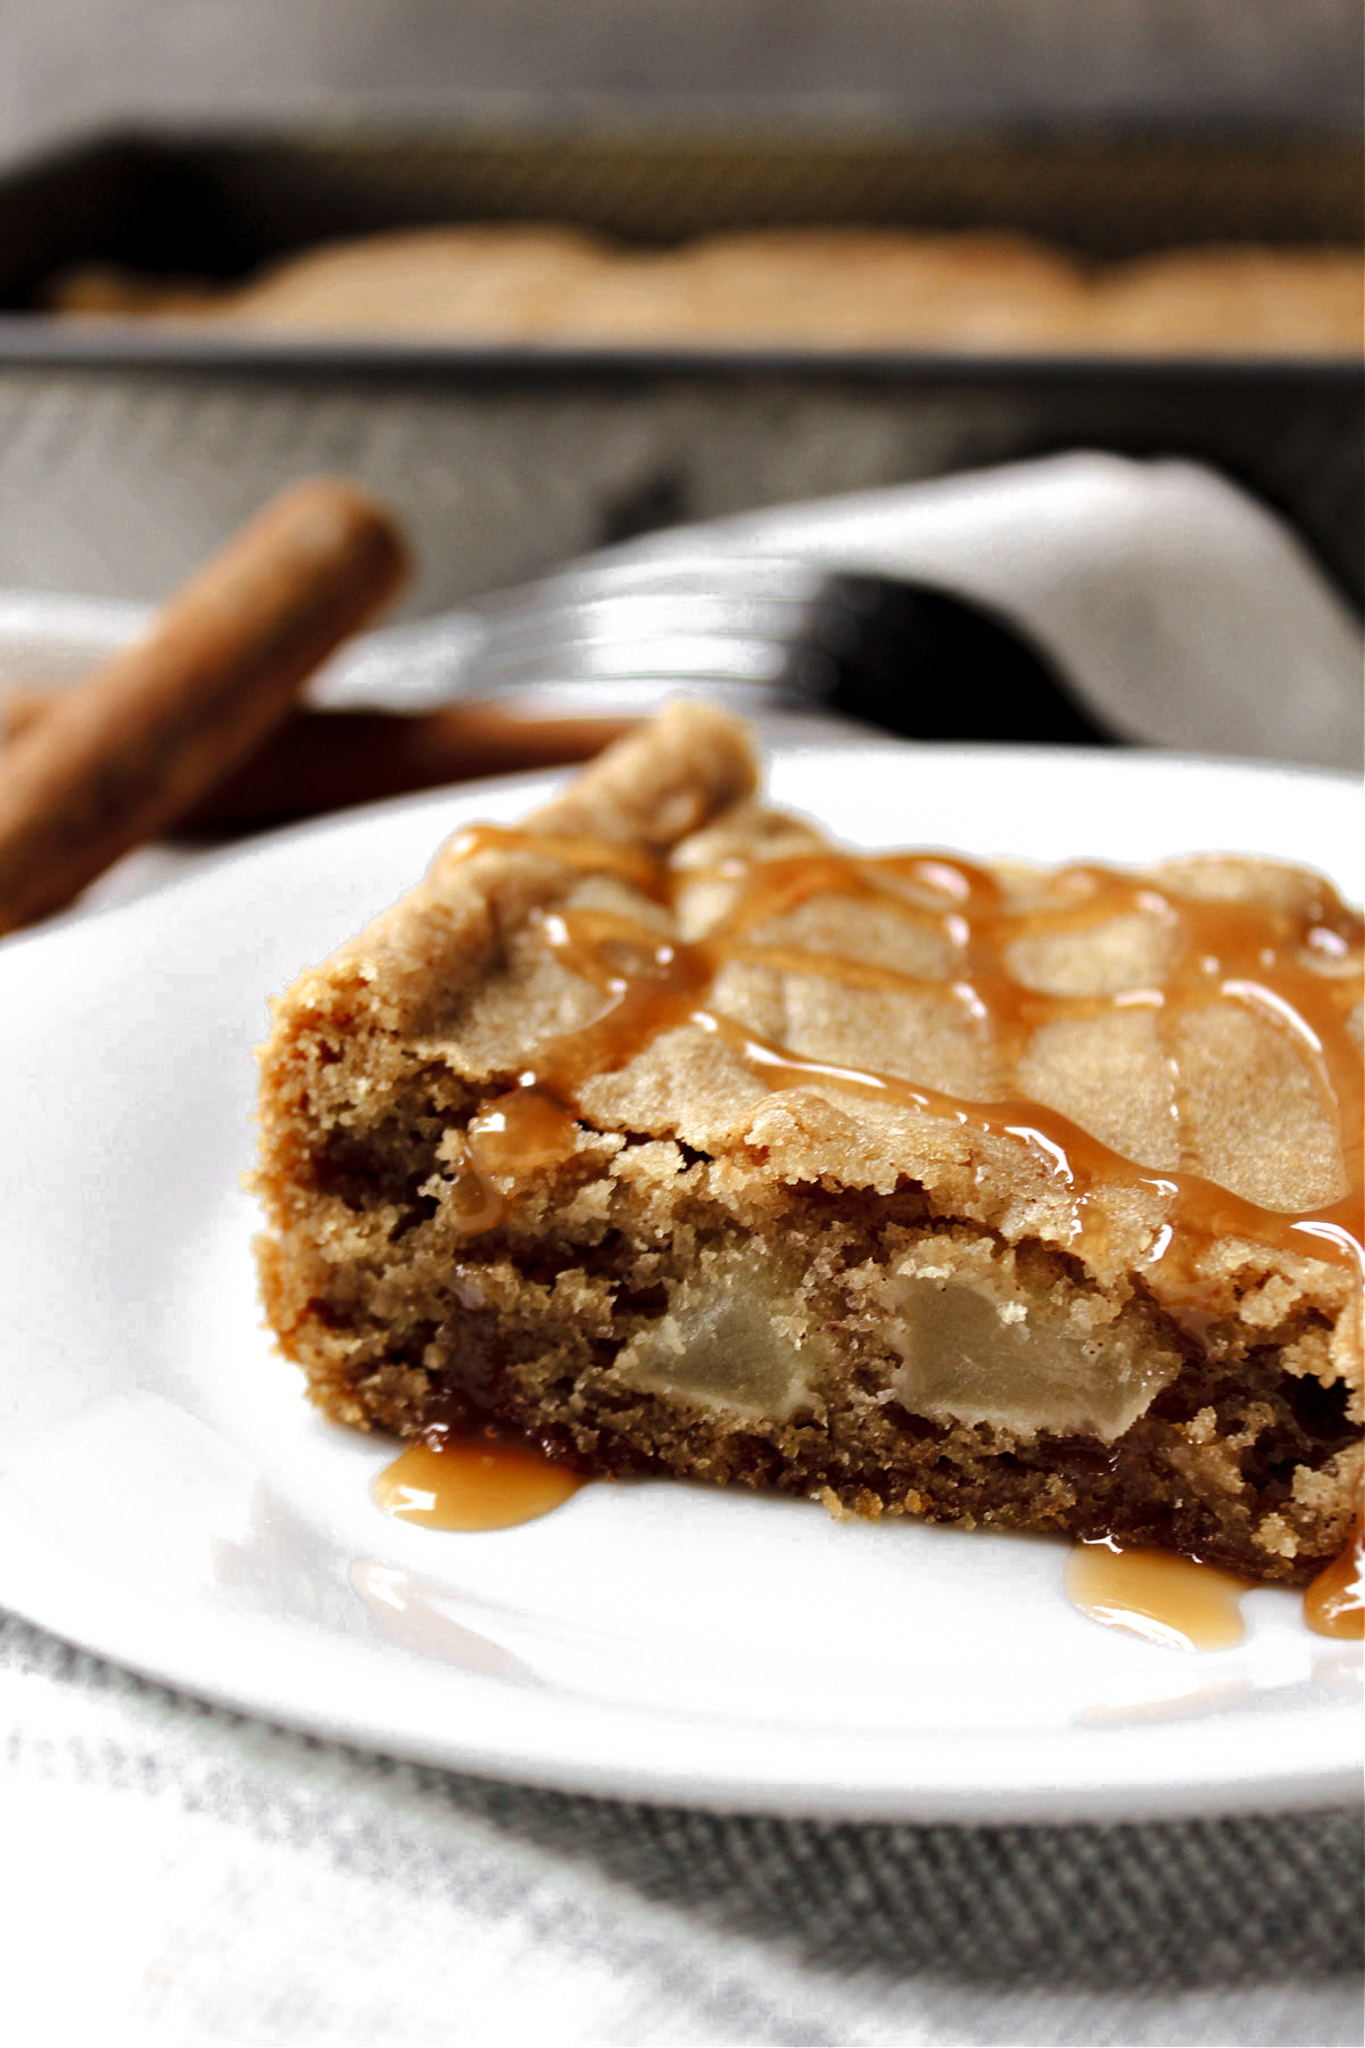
pixel 979 1778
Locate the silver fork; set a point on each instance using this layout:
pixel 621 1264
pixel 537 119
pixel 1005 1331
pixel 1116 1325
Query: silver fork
pixel 770 635
pixel 740 627
pixel 775 634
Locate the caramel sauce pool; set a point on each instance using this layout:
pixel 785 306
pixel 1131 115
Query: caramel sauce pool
pixel 1171 1601
pixel 472 1484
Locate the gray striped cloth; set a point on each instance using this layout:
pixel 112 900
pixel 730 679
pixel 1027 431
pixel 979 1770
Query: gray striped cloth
pixel 178 1874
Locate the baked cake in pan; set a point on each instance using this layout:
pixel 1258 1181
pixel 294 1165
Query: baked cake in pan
pixel 832 287
pixel 672 1136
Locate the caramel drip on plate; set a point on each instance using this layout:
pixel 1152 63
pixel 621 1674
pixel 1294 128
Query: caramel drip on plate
pixel 471 1483
pixel 1334 1604
pixel 1172 1601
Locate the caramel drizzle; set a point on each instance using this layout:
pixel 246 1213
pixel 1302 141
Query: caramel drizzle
pixel 1334 1604
pixel 1255 955
pixel 1176 1602
pixel 570 850
pixel 471 1483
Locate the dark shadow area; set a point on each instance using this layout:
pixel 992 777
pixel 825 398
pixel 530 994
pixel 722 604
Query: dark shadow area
pixel 1253 1899
pixel 658 500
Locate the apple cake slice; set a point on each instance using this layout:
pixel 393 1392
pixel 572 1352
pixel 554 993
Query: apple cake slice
pixel 672 1136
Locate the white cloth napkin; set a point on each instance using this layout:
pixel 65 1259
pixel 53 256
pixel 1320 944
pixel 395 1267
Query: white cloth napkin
pixel 1185 614
pixel 1181 610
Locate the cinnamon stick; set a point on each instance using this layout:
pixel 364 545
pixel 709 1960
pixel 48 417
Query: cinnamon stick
pixel 316 761
pixel 124 755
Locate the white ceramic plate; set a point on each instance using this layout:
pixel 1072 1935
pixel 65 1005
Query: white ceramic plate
pixel 168 1499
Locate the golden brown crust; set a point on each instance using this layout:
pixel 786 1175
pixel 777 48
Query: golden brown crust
pixel 660 784
pixel 655 786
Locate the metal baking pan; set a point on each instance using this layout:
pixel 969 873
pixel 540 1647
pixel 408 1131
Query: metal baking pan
pixel 126 452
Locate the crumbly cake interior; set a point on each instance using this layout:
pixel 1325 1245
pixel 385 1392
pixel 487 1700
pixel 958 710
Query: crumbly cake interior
pixel 670 1135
